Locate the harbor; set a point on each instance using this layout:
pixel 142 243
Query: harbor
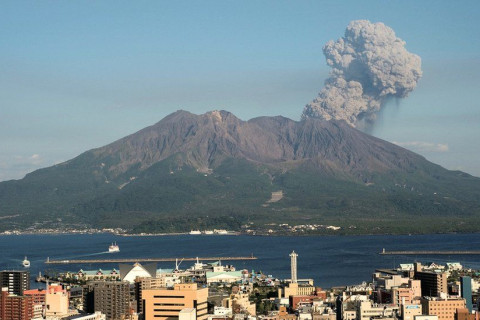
pixel 133 260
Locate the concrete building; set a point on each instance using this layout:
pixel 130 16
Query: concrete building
pixel 38 295
pixel 464 314
pixel 365 310
pixel 425 317
pixel 56 302
pixel 94 316
pixel 403 295
pixel 240 303
pixel 15 281
pixel 409 311
pixel 166 304
pixel 445 309
pixel 466 292
pixel 282 314
pixel 37 312
pixel 323 316
pixel 433 283
pixel 187 314
pixel 289 290
pixel 112 298
pixel 388 281
pixel 349 315
pixel 298 289
pixel 14 307
pixel 222 311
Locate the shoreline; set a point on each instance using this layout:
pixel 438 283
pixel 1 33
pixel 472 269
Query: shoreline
pixel 232 233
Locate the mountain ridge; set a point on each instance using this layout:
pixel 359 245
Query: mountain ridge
pixel 216 167
pixel 237 139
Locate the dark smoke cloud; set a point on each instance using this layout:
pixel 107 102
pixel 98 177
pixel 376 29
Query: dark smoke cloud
pixel 369 65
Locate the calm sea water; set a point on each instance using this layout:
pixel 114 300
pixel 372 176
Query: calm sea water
pixel 330 260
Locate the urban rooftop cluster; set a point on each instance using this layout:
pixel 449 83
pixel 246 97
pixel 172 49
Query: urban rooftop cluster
pixel 215 291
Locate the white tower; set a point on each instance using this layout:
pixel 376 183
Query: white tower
pixel 293 265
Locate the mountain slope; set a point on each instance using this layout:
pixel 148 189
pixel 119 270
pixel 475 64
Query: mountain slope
pixel 217 170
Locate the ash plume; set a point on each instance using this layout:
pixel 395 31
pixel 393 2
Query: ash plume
pixel 369 65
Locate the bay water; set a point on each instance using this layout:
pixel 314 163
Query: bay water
pixel 329 260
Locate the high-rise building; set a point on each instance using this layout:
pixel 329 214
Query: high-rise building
pixel 432 283
pixel 144 284
pixel 110 297
pixel 15 281
pixel 166 304
pixel 466 291
pixel 293 266
pixel 14 307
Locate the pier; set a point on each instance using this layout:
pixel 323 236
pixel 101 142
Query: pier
pixel 431 252
pixel 133 260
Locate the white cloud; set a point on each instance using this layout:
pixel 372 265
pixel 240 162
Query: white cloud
pixel 422 146
pixel 17 166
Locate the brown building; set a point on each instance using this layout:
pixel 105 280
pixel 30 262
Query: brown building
pixel 445 309
pixel 13 307
pixel 110 297
pixel 296 289
pixel 432 283
pixel 297 300
pixel 144 283
pixel 38 295
pixel 463 314
pixel 402 295
pixel 166 304
pixel 284 315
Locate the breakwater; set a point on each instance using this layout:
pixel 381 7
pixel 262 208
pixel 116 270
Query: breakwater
pixel 431 252
pixel 130 260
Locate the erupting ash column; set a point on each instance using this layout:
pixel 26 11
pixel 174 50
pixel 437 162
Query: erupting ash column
pixel 293 265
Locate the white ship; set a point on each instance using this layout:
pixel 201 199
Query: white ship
pixel 196 232
pixel 113 248
pixel 26 263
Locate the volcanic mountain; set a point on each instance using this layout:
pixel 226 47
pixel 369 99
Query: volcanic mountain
pixel 214 170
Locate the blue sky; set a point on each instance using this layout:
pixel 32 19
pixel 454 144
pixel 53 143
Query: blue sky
pixel 80 74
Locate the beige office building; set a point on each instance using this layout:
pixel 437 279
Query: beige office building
pixel 410 311
pixel 445 309
pixel 166 304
